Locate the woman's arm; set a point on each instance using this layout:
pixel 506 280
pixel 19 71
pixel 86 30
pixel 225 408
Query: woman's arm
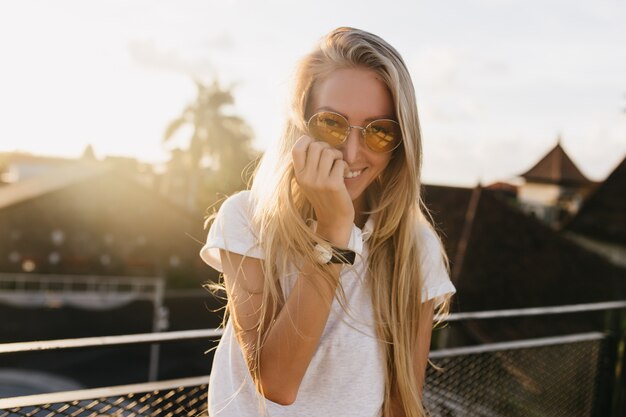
pixel 298 326
pixel 422 351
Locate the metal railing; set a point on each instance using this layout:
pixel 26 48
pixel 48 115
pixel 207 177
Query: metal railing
pixel 109 340
pixel 88 292
pixel 571 375
pixel 174 398
pixel 555 376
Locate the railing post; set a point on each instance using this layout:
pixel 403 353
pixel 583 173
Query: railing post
pixel 612 402
pixel 158 325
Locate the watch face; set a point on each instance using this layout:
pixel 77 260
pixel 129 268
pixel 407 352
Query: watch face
pixel 323 253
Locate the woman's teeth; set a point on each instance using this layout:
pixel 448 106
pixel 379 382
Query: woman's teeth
pixel 353 174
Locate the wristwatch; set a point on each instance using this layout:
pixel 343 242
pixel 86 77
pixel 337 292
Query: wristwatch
pixel 327 254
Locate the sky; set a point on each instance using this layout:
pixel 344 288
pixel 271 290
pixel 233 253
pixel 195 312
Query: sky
pixel 497 81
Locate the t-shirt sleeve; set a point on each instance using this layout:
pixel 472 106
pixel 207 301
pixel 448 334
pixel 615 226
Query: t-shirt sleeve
pixel 232 230
pixel 436 281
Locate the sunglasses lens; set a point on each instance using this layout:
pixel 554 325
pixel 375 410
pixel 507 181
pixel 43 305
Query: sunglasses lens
pixel 383 135
pixel 328 127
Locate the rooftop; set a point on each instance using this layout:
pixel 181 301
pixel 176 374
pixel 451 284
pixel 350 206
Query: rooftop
pixel 556 167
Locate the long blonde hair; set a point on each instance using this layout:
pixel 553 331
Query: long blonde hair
pixel 282 213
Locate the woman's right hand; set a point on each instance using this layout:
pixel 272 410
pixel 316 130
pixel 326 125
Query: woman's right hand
pixel 319 170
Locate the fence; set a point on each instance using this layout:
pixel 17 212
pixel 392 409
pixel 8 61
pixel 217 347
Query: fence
pixel 569 376
pixel 88 292
pixel 545 377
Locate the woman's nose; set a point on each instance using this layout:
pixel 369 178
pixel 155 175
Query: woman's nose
pixel 351 147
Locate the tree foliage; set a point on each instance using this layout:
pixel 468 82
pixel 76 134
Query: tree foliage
pixel 219 148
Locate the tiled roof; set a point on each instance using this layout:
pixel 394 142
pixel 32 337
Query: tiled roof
pixel 448 206
pixel 505 259
pixel 512 260
pixel 503 187
pixel 98 222
pixel 602 215
pixel 36 186
pixel 22 157
pixel 556 168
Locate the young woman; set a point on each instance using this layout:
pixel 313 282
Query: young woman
pixel 332 271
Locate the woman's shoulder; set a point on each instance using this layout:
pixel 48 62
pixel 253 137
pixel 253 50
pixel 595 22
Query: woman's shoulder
pixel 235 214
pixel 435 273
pixel 239 200
pixel 428 236
pixel 234 208
pixel 232 230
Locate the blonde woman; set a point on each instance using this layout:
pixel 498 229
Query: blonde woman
pixel 331 268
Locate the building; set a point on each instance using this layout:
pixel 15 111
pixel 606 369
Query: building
pixel 600 224
pixel 554 187
pixel 82 251
pixel 87 219
pixel 502 258
pixel 18 166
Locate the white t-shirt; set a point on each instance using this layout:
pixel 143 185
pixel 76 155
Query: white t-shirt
pixel 346 376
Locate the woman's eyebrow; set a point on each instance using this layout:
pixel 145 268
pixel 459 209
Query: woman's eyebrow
pixel 369 119
pixel 330 109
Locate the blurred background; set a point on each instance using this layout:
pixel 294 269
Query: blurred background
pixel 124 124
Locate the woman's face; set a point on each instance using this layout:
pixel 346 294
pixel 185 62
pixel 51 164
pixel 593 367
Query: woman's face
pixel 361 96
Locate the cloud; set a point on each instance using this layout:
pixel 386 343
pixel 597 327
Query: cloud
pixel 220 41
pixel 439 68
pixel 445 79
pixel 147 54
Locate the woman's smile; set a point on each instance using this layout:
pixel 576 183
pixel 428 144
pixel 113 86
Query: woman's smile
pixel 353 174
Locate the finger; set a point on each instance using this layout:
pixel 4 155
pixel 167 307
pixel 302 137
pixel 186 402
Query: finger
pixel 327 159
pixel 313 154
pixel 338 170
pixel 299 152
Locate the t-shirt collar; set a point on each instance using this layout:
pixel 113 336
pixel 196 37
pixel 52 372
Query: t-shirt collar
pixel 368 229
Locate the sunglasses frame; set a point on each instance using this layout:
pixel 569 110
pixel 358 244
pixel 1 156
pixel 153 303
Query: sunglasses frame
pixel 361 128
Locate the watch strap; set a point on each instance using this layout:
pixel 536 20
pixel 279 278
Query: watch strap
pixel 342 256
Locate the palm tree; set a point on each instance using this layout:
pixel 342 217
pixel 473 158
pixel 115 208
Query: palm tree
pixel 223 139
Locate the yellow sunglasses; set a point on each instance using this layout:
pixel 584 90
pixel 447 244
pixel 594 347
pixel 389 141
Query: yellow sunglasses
pixel 382 135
